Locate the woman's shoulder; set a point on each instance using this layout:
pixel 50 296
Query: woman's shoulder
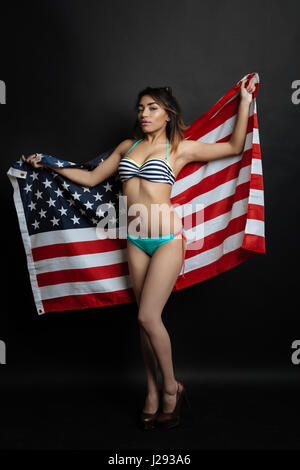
pixel 184 145
pixel 179 158
pixel 184 148
pixel 125 145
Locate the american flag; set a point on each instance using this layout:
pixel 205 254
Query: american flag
pixel 71 267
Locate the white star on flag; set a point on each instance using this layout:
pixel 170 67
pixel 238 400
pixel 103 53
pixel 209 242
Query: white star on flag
pixel 76 196
pixel 58 192
pixel 36 224
pixel 32 205
pixel 34 175
pixel 62 211
pixel 75 220
pixel 42 213
pixel 51 202
pixel 54 221
pixel 108 187
pixel 38 194
pixel 47 183
pixel 88 205
pixel 98 197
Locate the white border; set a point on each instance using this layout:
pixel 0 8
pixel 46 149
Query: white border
pixel 26 240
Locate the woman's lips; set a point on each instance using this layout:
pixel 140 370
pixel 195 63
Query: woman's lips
pixel 145 123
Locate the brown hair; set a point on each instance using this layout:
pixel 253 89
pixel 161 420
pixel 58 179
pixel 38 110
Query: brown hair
pixel 175 127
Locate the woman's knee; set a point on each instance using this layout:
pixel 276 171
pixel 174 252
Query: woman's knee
pixel 148 321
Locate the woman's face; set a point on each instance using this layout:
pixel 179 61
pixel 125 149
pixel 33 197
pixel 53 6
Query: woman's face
pixel 152 112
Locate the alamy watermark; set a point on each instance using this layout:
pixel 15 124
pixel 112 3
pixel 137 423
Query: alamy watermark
pixel 296 354
pixel 193 213
pixel 2 92
pixel 2 352
pixel 296 94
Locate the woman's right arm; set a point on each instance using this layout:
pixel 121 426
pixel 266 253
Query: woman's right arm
pixel 109 166
pixel 82 177
pixel 85 177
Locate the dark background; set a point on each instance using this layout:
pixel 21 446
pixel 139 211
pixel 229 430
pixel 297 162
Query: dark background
pixel 72 71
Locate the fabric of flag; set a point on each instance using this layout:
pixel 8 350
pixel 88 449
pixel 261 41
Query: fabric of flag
pixel 221 203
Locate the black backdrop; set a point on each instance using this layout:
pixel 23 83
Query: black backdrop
pixel 72 71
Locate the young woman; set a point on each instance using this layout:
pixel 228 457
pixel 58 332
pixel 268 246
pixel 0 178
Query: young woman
pixel 148 168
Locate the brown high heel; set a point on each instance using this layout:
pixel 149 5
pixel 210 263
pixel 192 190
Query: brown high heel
pixel 172 419
pixel 148 420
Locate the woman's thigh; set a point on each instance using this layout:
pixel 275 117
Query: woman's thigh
pixel 163 271
pixel 138 264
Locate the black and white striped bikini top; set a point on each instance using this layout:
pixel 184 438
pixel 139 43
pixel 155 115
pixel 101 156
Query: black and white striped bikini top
pixel 158 170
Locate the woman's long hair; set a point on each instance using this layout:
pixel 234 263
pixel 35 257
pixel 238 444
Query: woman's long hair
pixel 175 127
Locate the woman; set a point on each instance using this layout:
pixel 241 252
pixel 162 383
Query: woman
pixel 148 168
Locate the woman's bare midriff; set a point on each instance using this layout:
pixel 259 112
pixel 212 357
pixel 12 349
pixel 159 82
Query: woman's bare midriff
pixel 153 214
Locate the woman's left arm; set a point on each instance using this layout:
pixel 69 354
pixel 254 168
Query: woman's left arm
pixel 196 151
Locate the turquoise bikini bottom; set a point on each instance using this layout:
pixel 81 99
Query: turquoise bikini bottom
pixel 150 245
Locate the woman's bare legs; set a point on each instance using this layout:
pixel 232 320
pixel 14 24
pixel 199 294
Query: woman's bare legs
pixel 162 273
pixel 151 368
pixel 138 264
pixel 155 340
pixel 160 340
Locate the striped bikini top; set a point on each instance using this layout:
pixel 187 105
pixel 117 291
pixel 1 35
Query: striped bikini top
pixel 155 169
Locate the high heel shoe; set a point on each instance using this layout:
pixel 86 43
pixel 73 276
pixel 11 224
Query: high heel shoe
pixel 172 419
pixel 148 420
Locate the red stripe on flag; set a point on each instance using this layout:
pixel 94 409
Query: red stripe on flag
pixel 256 212
pixel 82 275
pixel 77 302
pixel 212 181
pixel 77 248
pixel 225 262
